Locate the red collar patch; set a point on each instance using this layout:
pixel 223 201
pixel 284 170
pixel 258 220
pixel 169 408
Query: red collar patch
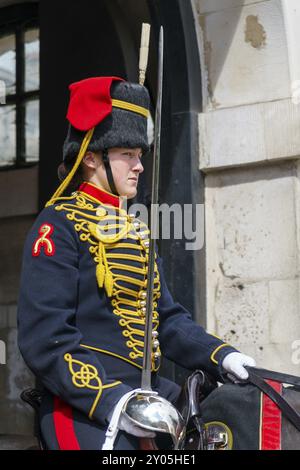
pixel 99 194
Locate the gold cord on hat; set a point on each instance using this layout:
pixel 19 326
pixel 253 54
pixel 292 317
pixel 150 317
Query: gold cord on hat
pixel 130 107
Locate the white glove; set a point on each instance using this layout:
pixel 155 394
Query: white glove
pixel 234 363
pixel 125 424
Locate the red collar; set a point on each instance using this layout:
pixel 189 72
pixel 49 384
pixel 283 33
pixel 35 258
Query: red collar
pixel 99 194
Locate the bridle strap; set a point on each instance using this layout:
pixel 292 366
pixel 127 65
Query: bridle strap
pixel 276 376
pixel 257 379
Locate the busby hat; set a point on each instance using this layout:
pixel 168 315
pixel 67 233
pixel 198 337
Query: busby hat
pixel 117 109
pixel 104 112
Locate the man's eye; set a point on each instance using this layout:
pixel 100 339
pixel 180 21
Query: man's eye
pixel 132 155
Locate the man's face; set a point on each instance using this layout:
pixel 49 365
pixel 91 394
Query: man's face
pixel 126 167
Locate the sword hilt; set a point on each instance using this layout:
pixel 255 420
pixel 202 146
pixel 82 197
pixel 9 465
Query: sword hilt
pixel 144 52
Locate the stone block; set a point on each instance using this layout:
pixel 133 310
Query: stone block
pixel 12 316
pixel 297 210
pixel 246 54
pixel 24 201
pixel 231 137
pixel 279 357
pixel 3 317
pixel 13 232
pixel 249 134
pixel 252 216
pixel 16 416
pixel 242 313
pixel 209 6
pixel 284 298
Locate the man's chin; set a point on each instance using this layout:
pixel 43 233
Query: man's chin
pixel 130 193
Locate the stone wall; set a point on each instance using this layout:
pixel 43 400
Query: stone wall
pixel 16 418
pixel 249 134
pixel 252 241
pixel 18 206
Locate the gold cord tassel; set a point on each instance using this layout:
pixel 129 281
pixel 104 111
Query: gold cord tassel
pixel 108 283
pixel 100 269
pixel 103 273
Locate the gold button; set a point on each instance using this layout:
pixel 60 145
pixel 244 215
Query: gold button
pixel 101 212
pixel 143 303
pixel 154 334
pixel 142 294
pixel 157 355
pixel 143 310
pixel 155 343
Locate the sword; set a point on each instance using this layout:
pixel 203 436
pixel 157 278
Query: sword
pixel 146 408
pixel 146 374
pixel 143 406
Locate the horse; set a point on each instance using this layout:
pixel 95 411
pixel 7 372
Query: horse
pixel 260 413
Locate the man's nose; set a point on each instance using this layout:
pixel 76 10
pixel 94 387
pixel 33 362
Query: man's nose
pixel 138 166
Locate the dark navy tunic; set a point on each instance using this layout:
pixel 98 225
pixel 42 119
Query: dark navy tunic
pixel 81 317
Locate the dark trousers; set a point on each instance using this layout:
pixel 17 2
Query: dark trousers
pixel 81 433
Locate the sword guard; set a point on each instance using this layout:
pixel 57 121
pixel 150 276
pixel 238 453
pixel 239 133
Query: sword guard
pixel 113 429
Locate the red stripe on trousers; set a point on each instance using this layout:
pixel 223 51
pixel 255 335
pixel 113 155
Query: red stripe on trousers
pixel 271 421
pixel 64 426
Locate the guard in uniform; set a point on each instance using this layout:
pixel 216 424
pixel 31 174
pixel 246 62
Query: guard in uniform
pixel 82 301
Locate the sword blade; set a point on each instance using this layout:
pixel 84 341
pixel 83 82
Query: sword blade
pixel 146 373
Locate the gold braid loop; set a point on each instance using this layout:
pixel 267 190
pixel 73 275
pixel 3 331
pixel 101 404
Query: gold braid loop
pixel 87 377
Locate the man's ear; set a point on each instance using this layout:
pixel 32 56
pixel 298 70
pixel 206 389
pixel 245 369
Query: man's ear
pixel 90 159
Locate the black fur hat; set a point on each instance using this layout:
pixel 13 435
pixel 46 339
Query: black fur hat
pixel 120 128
